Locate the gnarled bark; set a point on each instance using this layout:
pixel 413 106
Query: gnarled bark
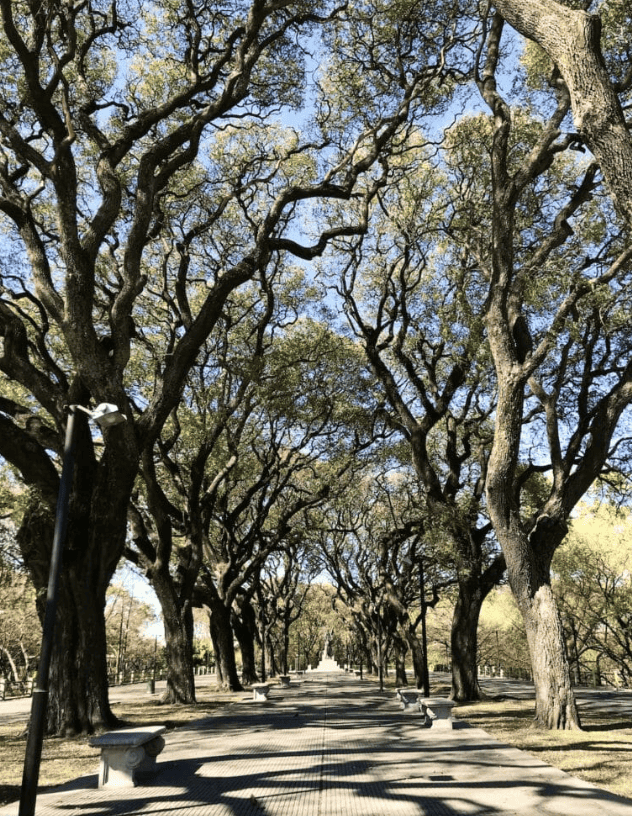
pixel 77 700
pixel 571 37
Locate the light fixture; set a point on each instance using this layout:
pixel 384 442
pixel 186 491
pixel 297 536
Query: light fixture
pixel 106 414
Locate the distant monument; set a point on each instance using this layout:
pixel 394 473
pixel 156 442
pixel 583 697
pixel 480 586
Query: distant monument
pixel 327 662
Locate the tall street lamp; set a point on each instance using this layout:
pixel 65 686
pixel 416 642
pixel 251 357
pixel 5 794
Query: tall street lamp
pixel 377 608
pixel 106 415
pixel 425 678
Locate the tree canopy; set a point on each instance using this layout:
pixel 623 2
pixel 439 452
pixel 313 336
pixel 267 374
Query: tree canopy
pixel 460 171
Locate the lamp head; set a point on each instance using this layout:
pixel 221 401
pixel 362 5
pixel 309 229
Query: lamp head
pixel 107 415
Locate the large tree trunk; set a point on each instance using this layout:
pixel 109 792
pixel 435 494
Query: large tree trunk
pixel 178 622
pixel 474 587
pixel 528 550
pixel 285 639
pixel 555 706
pixel 417 654
pixel 77 700
pixel 528 556
pixel 273 668
pixel 222 637
pixel 92 544
pixel 464 641
pixel 400 663
pixel 78 688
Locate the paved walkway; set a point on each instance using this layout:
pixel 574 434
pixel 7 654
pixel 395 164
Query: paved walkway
pixel 335 746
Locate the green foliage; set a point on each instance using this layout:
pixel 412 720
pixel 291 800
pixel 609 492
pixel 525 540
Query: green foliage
pixel 502 638
pixel 318 616
pixel 20 631
pixel 592 582
pixel 130 645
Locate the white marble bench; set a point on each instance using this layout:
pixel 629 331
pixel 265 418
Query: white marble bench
pixel 409 698
pixel 436 710
pixel 439 710
pixel 260 691
pixel 126 753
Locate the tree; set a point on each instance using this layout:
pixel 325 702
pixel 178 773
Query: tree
pixel 281 591
pixel 542 350
pixel 376 547
pixel 572 39
pixel 126 619
pixel 19 631
pixel 412 305
pixel 194 454
pixel 592 585
pixel 115 208
pixel 301 440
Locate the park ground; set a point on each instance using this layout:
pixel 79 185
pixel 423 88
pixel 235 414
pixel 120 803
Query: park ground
pixel 599 754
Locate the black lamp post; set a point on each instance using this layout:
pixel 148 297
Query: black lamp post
pixel 380 647
pixel 105 415
pixel 377 608
pixel 424 680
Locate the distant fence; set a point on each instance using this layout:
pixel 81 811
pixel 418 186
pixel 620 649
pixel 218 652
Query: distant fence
pixel 128 678
pixel 20 688
pixel 24 688
pixel 509 672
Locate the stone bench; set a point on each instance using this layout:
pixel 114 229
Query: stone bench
pixel 439 710
pixel 284 680
pixel 409 698
pixel 436 710
pixel 260 691
pixel 126 753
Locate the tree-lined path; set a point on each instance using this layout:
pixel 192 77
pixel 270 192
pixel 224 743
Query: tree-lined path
pixel 336 745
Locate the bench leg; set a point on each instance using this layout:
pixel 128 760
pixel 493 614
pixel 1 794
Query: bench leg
pixel 117 766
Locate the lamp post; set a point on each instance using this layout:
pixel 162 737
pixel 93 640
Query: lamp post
pixel 106 415
pixel 380 647
pixel 425 678
pixel 377 608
